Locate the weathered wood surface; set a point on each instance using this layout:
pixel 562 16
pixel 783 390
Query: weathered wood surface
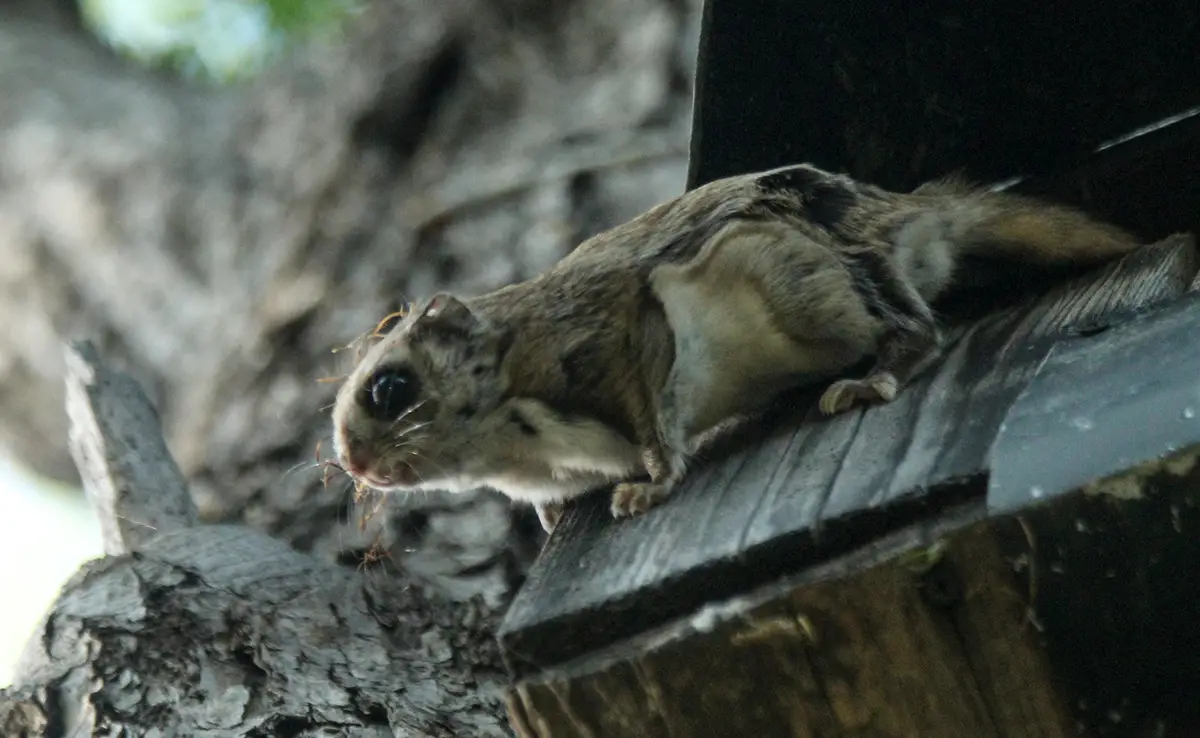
pixel 873 645
pixel 1099 405
pixel 219 630
pixel 801 492
pixel 1109 579
pixel 1071 619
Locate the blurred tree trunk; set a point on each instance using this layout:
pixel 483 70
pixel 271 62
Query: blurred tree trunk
pixel 218 243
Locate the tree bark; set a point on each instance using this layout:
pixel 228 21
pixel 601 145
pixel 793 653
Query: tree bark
pixel 186 629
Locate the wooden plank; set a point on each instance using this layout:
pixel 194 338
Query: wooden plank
pixel 888 641
pixel 987 607
pixel 749 516
pixel 1071 618
pixel 1114 399
pixel 1109 579
pixel 1123 406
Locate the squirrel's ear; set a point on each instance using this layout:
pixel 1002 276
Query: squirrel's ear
pixel 446 313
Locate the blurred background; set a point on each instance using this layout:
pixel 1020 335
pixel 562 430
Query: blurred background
pixel 46 532
pixel 220 192
pixel 46 527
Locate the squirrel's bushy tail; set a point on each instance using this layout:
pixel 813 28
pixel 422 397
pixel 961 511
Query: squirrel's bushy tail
pixel 1008 226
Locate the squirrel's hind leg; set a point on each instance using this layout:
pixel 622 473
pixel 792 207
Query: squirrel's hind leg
pixel 909 342
pixel 842 303
pixel 901 355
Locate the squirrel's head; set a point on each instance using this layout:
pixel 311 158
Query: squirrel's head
pixel 426 407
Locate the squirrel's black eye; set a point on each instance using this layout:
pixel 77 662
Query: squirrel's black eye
pixel 389 392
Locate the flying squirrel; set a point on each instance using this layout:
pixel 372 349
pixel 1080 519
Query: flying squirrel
pixel 610 367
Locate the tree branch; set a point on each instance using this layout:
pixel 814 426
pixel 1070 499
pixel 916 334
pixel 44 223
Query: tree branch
pixel 133 484
pixel 188 629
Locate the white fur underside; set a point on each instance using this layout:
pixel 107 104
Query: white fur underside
pixel 731 354
pixel 579 455
pixel 717 336
pixel 925 251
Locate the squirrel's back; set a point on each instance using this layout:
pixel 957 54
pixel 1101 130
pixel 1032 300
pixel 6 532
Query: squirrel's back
pixel 933 230
pixel 928 233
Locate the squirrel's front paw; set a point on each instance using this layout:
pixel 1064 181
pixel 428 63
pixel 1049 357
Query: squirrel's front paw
pixel 635 498
pixel 548 514
pixel 845 393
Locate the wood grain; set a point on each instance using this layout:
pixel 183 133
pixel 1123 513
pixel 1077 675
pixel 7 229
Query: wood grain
pixel 1072 618
pixel 864 646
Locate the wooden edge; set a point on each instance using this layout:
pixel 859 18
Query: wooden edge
pixel 115 438
pixel 961 626
pixel 1101 403
pixel 922 633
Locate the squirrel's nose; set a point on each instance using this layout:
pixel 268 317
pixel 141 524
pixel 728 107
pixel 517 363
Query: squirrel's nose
pixel 353 457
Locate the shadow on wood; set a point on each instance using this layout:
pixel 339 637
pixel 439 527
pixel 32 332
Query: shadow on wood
pixel 898 93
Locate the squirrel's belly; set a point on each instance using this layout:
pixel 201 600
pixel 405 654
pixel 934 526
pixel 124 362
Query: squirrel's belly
pixel 730 355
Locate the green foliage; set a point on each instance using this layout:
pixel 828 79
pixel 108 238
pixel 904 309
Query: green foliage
pixel 309 16
pixel 219 40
